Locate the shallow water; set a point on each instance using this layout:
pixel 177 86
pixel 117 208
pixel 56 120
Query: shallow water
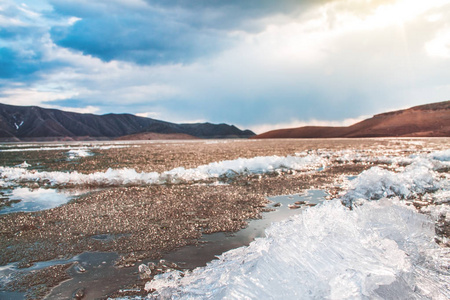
pixel 37 199
pixel 102 278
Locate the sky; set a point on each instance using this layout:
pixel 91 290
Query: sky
pixel 257 64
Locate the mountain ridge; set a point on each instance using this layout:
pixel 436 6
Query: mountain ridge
pixel 428 120
pixel 34 123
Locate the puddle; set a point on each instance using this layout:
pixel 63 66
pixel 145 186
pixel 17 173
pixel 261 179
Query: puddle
pixel 12 295
pixel 214 244
pixel 101 278
pixel 25 199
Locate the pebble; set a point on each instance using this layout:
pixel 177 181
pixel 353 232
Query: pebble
pixel 79 294
pixel 79 268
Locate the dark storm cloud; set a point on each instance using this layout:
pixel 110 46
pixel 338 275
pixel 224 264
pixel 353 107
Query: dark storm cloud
pixel 161 31
pixel 231 14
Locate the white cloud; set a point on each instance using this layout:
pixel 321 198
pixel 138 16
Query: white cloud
pixel 349 57
pixel 33 96
pixel 153 115
pixel 439 46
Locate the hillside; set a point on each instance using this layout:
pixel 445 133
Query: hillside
pixel 32 123
pixel 430 120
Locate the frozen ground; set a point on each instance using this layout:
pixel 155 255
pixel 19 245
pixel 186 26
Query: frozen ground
pixel 152 198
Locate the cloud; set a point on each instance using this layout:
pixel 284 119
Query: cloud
pixel 439 46
pixel 23 42
pixel 141 34
pixel 160 32
pixel 241 62
pixel 30 96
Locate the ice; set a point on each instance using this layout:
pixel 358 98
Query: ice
pixel 116 177
pixel 23 165
pixel 373 250
pixel 377 183
pixel 73 154
pixel 328 252
pixel 441 155
pixel 416 179
pixel 20 148
pixel 438 212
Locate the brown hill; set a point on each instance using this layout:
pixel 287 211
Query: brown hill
pixel 430 120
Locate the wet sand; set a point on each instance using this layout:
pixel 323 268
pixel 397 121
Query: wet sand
pixel 146 222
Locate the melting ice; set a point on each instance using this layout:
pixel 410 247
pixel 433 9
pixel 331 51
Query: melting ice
pixel 115 177
pixel 376 250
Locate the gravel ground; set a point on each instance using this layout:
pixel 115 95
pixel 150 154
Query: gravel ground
pixel 143 222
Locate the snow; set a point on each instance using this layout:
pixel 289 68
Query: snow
pixel 18 125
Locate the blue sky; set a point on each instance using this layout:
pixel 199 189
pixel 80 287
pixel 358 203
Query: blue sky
pixel 258 64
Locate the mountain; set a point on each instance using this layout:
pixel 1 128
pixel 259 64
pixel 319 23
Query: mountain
pixel 430 120
pixel 32 123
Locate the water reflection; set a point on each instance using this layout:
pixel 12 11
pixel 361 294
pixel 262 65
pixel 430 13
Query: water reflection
pixel 23 199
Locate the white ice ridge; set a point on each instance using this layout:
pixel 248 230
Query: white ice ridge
pixel 377 183
pixel 21 148
pixel 380 250
pixel 415 179
pixel 115 177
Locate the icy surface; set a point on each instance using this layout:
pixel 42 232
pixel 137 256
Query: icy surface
pixel 441 155
pixel 376 250
pixel 328 252
pixel 115 177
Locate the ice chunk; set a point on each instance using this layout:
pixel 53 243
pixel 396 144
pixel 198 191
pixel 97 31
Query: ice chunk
pixel 328 252
pixel 23 165
pixel 76 153
pixel 441 155
pixel 377 183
